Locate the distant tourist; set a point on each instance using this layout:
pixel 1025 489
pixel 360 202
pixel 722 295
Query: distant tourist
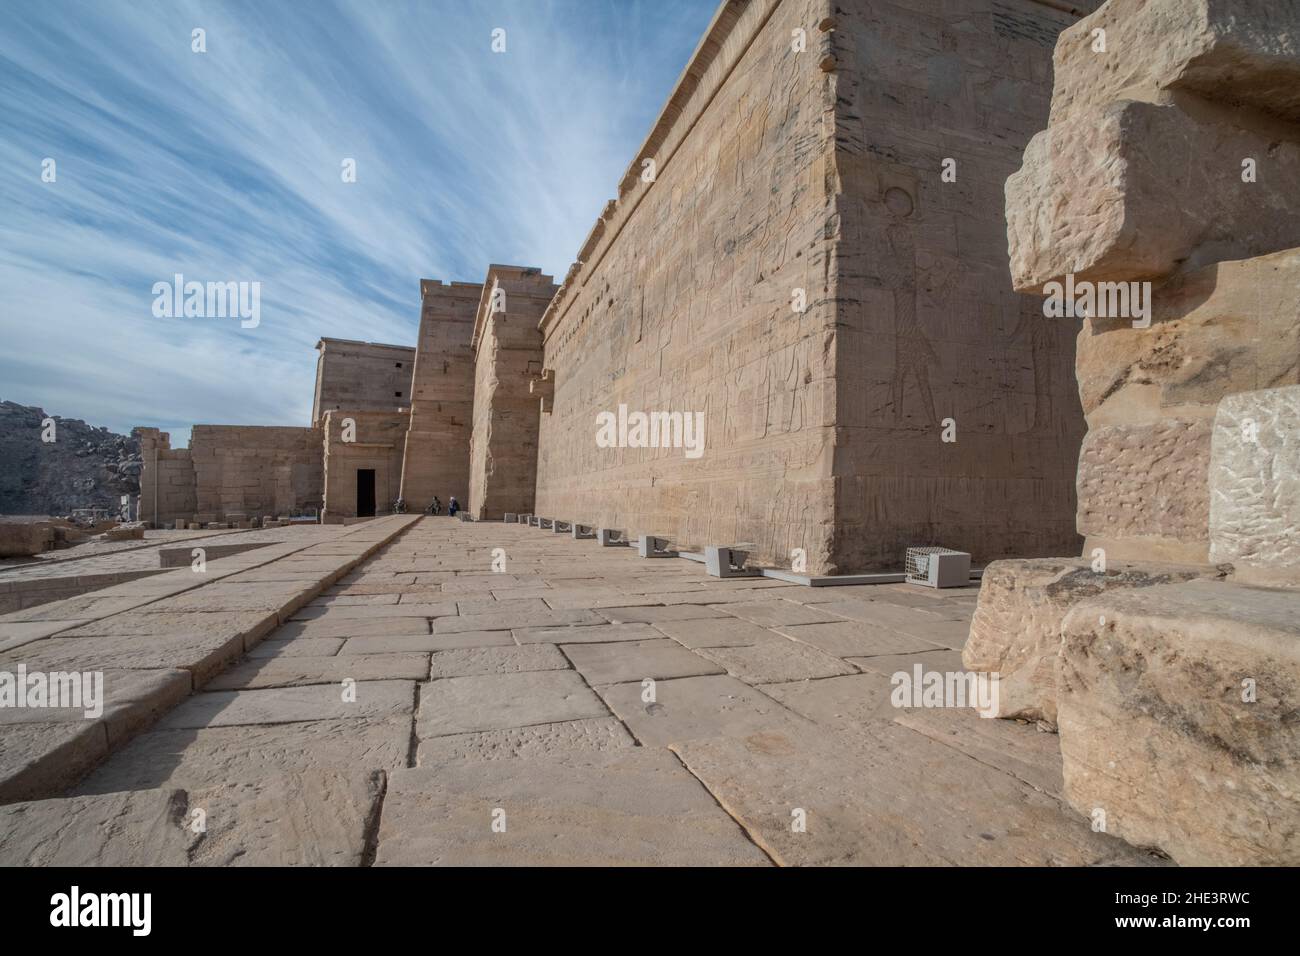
pixel 452 507
pixel 436 507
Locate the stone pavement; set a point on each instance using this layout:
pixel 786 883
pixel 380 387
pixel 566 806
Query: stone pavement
pixel 577 706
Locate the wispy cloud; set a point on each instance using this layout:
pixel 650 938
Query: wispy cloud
pixel 226 166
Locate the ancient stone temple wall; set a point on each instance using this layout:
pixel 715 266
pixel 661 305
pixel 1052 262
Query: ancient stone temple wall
pixel 436 461
pixel 508 356
pixel 785 259
pixel 166 479
pixel 933 109
pixel 357 440
pixel 256 470
pixel 681 302
pixel 1161 201
pixel 362 376
pixel 231 472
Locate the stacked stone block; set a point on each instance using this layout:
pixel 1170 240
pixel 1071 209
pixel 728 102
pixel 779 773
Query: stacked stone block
pixel 1171 158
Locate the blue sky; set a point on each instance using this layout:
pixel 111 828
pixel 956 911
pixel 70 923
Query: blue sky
pixel 226 166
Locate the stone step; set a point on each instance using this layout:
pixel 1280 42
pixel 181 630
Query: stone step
pixel 1177 712
pixel 152 656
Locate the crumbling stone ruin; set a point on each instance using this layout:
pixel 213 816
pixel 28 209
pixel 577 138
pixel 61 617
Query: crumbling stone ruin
pixel 1168 656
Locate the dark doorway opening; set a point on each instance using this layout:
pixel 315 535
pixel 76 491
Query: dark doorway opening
pixel 365 492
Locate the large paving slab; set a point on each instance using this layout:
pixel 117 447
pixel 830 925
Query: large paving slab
pixel 599 634
pixel 213 756
pixel 628 807
pixel 404 643
pixel 228 708
pixel 696 707
pixel 653 615
pixel 459 705
pixel 775 612
pixel 856 706
pixel 349 627
pixel 536 740
pixel 373 612
pixel 471 661
pixel 896 798
pixel 716 633
pixel 855 639
pixel 773 661
pixel 317 819
pixel 203 655
pixel 506 620
pixel 298 670
pixel 624 661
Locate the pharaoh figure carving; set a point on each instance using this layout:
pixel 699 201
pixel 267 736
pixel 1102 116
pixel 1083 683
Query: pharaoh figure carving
pixel 913 354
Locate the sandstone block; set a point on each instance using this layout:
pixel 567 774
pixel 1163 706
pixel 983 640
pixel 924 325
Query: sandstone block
pixel 1016 632
pixel 1106 194
pixel 1239 52
pixel 374 699
pixel 1255 481
pixel 20 539
pixel 1177 720
pixel 894 798
pixel 1221 329
pixel 1143 490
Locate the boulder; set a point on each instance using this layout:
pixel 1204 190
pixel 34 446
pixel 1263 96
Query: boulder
pixel 1176 707
pixel 1016 630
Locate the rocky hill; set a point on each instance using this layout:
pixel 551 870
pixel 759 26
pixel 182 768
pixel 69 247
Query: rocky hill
pixel 84 467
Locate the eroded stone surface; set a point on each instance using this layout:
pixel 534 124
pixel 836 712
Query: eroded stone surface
pixel 1155 730
pixel 624 661
pixel 536 740
pixel 1016 631
pixel 1254 481
pixel 458 705
pixel 773 661
pixel 894 798
pixel 228 708
pixel 215 756
pixel 470 661
pixel 297 671
pixel 696 707
pixel 632 806
pixel 317 819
